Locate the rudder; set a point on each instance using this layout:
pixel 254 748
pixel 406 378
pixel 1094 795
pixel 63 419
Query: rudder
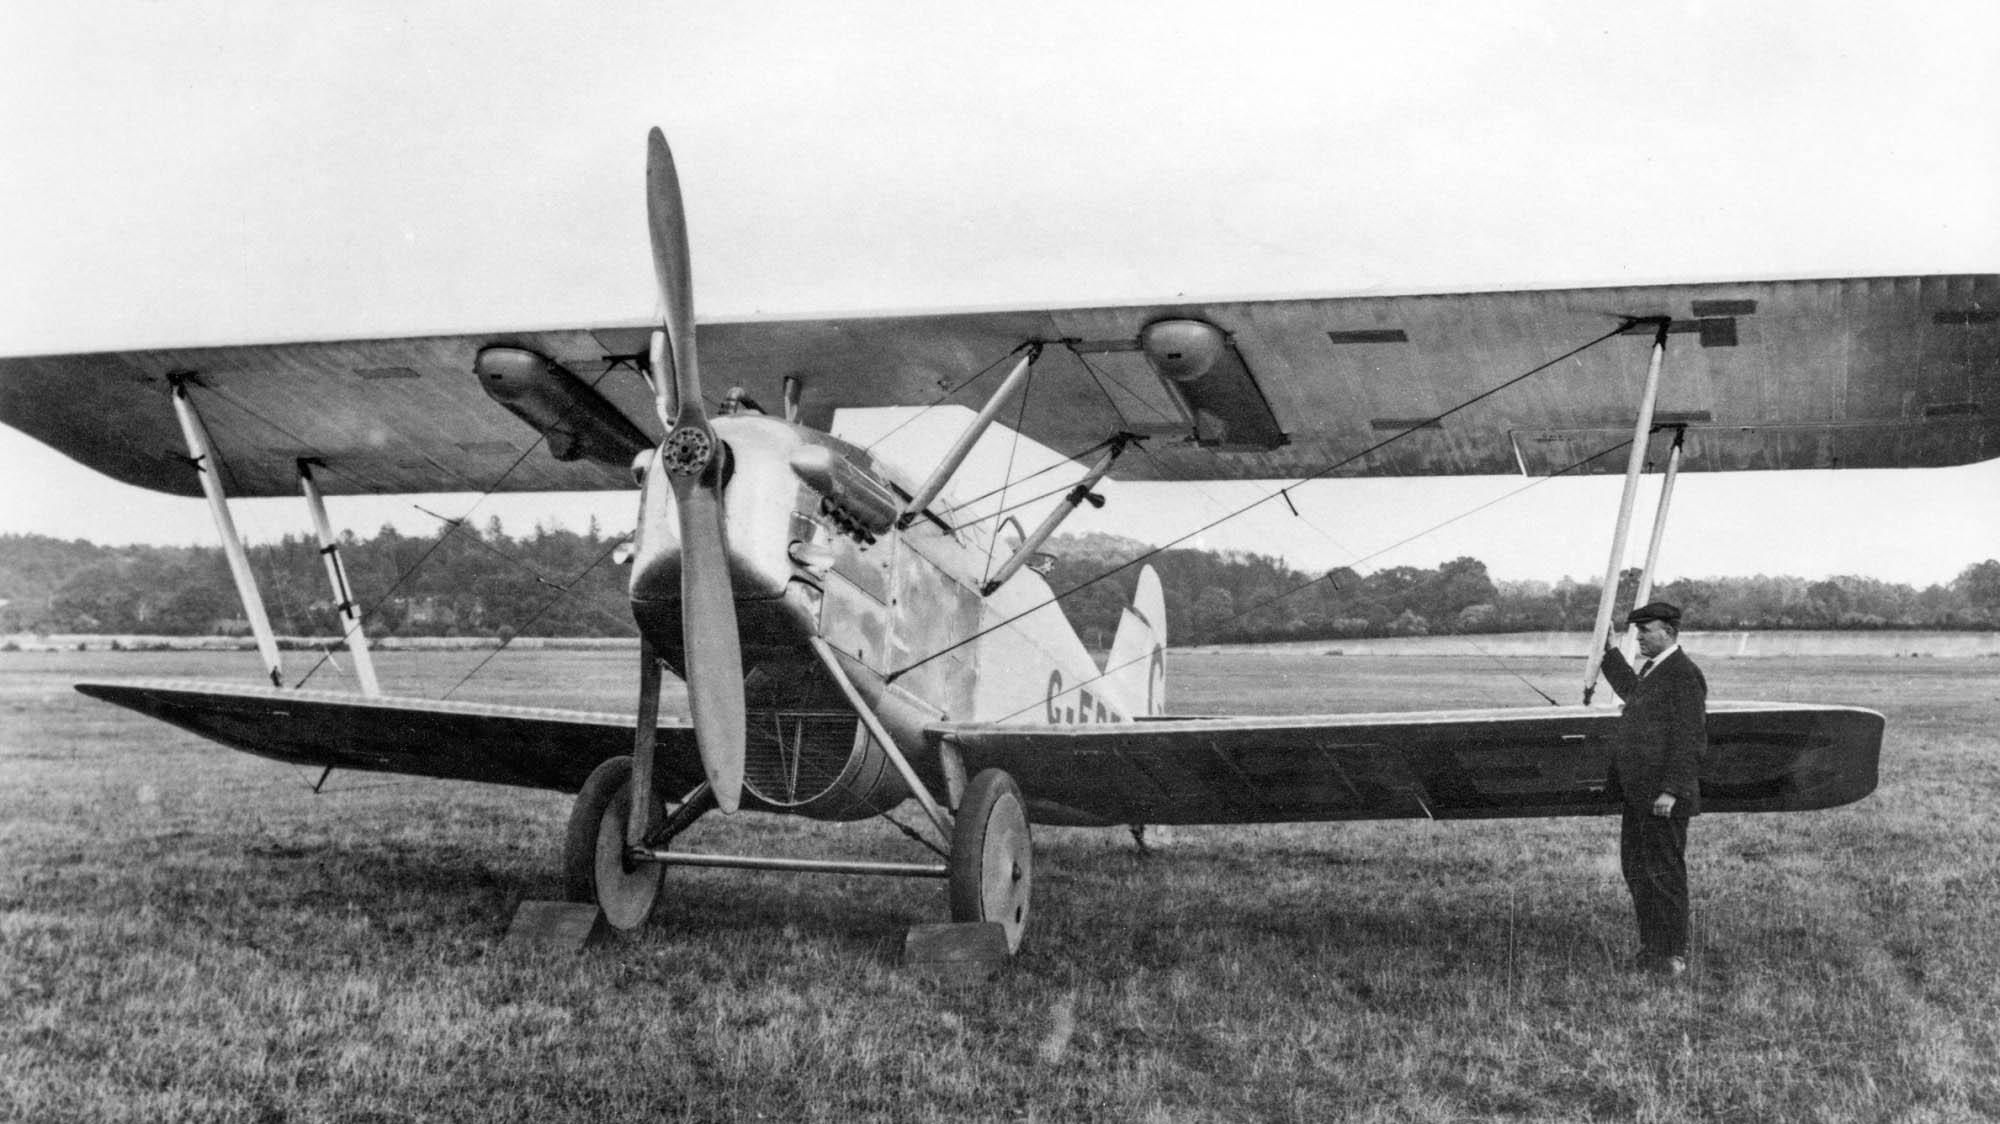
pixel 1135 672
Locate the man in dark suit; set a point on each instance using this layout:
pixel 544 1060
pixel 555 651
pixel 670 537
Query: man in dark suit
pixel 1655 773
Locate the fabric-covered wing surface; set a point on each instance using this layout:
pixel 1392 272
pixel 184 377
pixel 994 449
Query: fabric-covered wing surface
pixel 1481 764
pixel 528 746
pixel 378 416
pixel 1854 373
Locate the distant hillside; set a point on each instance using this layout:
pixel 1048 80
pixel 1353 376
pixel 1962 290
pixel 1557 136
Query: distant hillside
pixel 484 582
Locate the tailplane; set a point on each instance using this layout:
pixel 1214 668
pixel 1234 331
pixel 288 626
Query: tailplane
pixel 1135 673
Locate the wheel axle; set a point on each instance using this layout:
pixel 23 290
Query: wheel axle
pixel 799 866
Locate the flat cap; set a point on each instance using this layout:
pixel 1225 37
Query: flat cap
pixel 1655 611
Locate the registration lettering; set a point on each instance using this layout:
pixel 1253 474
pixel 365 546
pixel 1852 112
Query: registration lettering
pixel 1084 707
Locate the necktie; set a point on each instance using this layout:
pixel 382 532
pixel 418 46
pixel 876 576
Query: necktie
pixel 1644 668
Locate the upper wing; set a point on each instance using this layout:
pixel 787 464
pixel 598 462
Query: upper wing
pixel 379 416
pixel 1857 373
pixel 1549 761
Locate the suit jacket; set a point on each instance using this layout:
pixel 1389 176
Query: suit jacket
pixel 1663 733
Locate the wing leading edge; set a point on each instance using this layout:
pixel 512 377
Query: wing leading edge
pixel 1848 373
pixel 1484 764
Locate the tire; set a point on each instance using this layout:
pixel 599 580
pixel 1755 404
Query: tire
pixel 594 864
pixel 992 856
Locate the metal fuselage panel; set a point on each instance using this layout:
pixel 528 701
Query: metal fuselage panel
pixel 903 612
pixel 759 493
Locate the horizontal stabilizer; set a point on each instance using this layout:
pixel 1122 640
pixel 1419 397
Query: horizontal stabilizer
pixel 1468 764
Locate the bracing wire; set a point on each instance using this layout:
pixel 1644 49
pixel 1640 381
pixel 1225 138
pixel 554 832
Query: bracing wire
pixel 913 833
pixel 562 591
pixel 1308 584
pixel 1017 505
pixel 451 525
pixel 1067 462
pixel 1100 377
pixel 943 397
pixel 1320 473
pixel 1006 477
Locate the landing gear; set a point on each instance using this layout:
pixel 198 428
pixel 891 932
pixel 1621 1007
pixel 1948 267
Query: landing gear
pixel 595 863
pixel 992 856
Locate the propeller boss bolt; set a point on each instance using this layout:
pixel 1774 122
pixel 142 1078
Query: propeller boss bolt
pixel 688 450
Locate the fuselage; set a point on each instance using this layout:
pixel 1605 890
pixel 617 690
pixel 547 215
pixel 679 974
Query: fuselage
pixel 812 557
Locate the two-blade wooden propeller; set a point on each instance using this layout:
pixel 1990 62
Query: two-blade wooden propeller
pixel 696 463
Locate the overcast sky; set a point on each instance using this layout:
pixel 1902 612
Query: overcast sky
pixel 181 173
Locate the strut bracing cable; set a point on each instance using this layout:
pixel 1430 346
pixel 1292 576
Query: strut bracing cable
pixel 562 591
pixel 1275 599
pixel 1212 524
pixel 1067 461
pixel 946 396
pixel 1007 477
pixel 1166 474
pixel 451 525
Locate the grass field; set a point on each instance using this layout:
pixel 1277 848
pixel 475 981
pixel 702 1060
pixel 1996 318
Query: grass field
pixel 192 934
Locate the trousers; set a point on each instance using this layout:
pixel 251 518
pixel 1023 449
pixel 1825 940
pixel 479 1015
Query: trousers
pixel 1652 852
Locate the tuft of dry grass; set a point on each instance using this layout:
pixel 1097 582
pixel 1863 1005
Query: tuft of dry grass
pixel 191 934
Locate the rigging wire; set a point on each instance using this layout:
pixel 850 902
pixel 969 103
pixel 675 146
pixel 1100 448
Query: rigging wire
pixel 913 833
pixel 1067 461
pixel 1006 477
pixel 561 592
pixel 275 583
pixel 946 396
pixel 1274 599
pixel 451 525
pixel 1166 474
pixel 1317 474
pixel 1015 507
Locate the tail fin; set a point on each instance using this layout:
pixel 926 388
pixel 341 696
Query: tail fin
pixel 1135 673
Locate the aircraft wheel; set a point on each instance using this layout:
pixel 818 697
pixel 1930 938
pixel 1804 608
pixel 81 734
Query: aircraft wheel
pixel 992 856
pixel 594 863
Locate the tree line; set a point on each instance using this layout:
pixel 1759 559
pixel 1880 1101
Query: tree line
pixel 1239 597
pixel 481 581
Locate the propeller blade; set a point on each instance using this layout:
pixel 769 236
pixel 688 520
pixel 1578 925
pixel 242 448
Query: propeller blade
pixel 696 463
pixel 666 221
pixel 714 651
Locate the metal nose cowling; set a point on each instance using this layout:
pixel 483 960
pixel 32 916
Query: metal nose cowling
pixel 695 461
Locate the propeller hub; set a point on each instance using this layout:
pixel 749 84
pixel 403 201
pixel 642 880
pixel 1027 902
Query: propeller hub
pixel 688 450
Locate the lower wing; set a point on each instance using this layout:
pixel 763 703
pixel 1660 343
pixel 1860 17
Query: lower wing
pixel 1471 764
pixel 515 745
pixel 1468 764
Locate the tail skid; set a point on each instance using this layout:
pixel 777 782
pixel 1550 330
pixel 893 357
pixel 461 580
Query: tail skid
pixel 1135 672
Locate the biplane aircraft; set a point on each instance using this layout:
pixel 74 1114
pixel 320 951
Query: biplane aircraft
pixel 850 640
